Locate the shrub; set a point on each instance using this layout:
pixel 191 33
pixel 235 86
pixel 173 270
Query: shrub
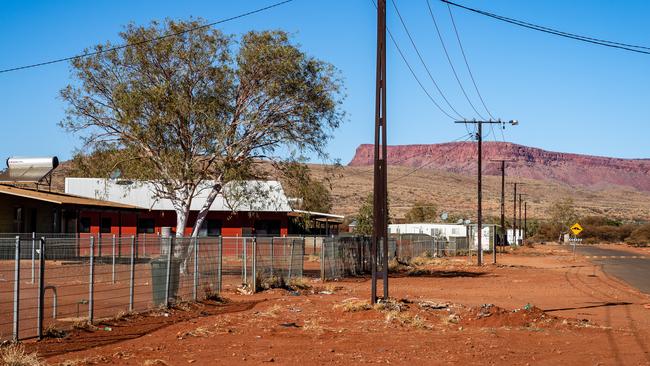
pixel 640 236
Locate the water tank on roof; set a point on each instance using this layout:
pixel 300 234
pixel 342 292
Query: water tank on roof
pixel 30 169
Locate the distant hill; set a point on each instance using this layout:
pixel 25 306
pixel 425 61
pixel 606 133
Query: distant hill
pixel 530 163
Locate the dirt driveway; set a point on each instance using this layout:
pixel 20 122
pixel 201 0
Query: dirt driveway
pixel 537 307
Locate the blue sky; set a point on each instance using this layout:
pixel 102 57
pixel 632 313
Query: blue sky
pixel 568 96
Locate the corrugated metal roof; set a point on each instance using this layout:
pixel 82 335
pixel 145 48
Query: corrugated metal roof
pixel 247 196
pixel 60 198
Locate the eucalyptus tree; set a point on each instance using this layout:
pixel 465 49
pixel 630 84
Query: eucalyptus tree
pixel 197 109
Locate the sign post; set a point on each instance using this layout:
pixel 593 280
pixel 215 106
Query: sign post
pixel 576 229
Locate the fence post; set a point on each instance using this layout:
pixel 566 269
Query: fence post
pixel 254 265
pixel 322 260
pixel 272 250
pixel 169 270
pixel 144 244
pixel 113 269
pixel 220 262
pixel 291 258
pixel 91 285
pixel 132 274
pixel 17 289
pixel 33 254
pixel 245 259
pixel 41 288
pixel 196 268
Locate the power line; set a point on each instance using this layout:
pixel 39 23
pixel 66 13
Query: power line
pixel 451 64
pixel 417 51
pixel 116 48
pixel 408 65
pixel 597 41
pixel 469 70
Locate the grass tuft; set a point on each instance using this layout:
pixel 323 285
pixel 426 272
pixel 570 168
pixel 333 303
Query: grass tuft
pixel 353 305
pixel 14 354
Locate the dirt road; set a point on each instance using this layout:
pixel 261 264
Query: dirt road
pixel 538 306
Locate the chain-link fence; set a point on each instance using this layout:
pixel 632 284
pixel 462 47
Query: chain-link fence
pixel 350 256
pixel 66 281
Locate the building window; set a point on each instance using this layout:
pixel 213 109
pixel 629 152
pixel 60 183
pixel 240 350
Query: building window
pixel 105 226
pixel 146 226
pixel 210 228
pixel 267 227
pixel 84 225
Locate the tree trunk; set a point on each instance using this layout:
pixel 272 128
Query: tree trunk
pixel 182 245
pixel 203 213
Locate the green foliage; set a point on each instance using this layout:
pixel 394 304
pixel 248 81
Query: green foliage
pixel 298 183
pixel 422 212
pixel 365 217
pixel 198 106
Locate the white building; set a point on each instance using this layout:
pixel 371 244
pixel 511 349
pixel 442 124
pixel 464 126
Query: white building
pixel 445 231
pixel 511 239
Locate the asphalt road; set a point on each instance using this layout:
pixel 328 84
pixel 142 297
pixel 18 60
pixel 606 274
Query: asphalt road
pixel 630 267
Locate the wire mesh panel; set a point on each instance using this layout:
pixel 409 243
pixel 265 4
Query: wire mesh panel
pixel 344 256
pixel 279 257
pixel 7 286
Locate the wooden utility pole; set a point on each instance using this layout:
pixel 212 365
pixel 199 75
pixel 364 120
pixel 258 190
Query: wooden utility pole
pixel 380 193
pixel 504 233
pixel 479 223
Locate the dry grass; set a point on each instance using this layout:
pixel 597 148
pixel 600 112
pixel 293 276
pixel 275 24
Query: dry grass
pixel 299 283
pixel 267 282
pixel 313 326
pixel 271 312
pixel 14 355
pixel 406 319
pixel 83 325
pixel 353 305
pixel 198 332
pixel 53 332
pixel 84 361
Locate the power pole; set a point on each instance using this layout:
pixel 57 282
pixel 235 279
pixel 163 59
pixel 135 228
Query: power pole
pixel 504 234
pixel 479 223
pixel 516 226
pixel 380 192
pixel 520 219
pixel 514 217
pixel 525 219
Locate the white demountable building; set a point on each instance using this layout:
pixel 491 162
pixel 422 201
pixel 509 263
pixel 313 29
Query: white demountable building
pixel 445 231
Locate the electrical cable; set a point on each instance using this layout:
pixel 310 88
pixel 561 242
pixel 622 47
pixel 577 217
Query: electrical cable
pixel 469 70
pixel 451 64
pixel 146 40
pixel 417 51
pixel 601 42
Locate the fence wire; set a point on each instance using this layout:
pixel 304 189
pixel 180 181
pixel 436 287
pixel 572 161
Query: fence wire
pixel 86 279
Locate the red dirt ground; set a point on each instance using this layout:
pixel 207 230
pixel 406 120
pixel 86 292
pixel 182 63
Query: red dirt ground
pixel 543 308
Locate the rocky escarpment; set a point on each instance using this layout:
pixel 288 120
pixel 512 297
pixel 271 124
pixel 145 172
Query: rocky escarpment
pixel 528 162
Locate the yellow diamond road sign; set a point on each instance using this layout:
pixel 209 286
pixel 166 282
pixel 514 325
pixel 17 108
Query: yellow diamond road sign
pixel 576 229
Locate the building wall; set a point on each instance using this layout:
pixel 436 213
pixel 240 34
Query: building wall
pixel 37 216
pixel 232 224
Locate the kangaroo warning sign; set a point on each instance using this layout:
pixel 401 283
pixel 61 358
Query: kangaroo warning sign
pixel 576 229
